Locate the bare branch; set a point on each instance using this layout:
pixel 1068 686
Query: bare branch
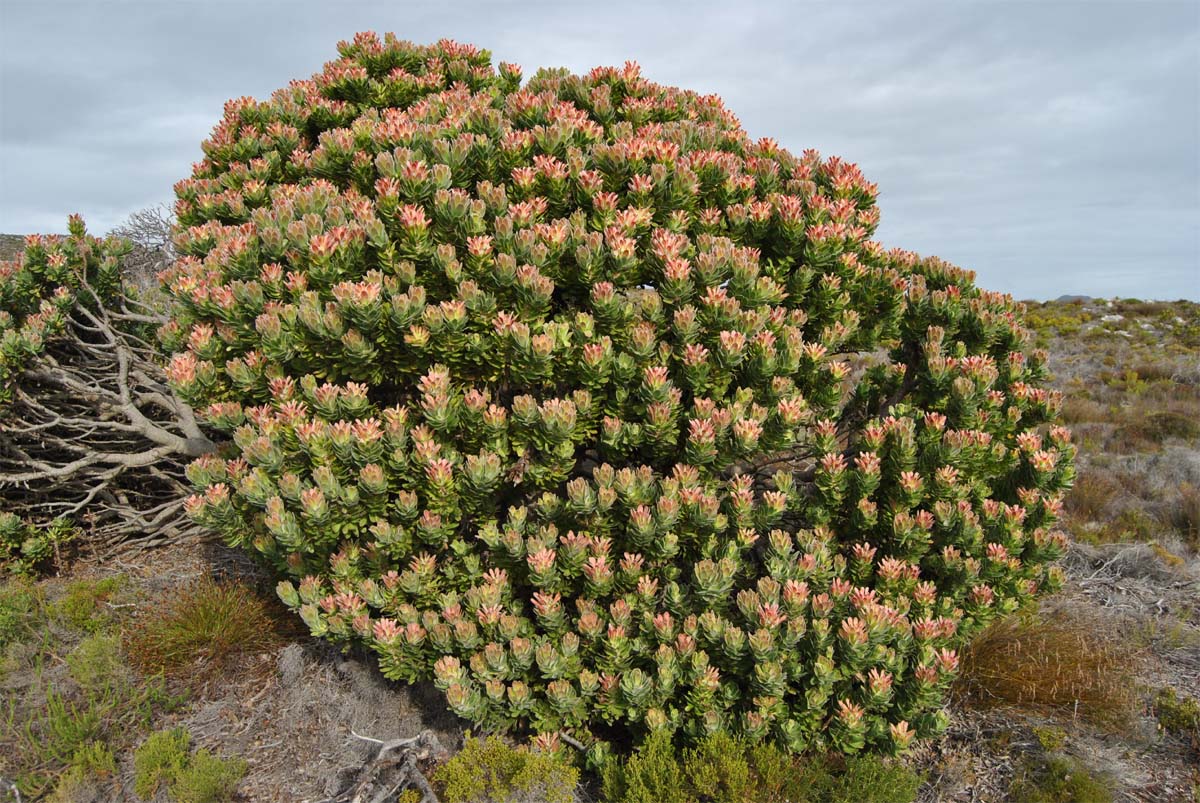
pixel 95 433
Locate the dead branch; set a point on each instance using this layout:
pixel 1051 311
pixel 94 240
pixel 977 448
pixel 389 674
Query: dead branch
pixel 391 767
pixel 95 434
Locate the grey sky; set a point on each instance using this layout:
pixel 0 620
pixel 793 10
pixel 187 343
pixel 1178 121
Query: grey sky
pixel 1054 147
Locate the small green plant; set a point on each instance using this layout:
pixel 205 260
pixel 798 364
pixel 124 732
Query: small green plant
pixel 492 769
pixel 82 606
pixel 204 626
pixel 1058 779
pixel 19 602
pixel 1051 738
pixel 206 778
pixel 64 727
pixel 95 758
pixel 96 662
pixel 864 779
pixel 717 768
pixel 651 775
pixel 158 759
pixel 25 549
pixel 202 777
pixel 1177 713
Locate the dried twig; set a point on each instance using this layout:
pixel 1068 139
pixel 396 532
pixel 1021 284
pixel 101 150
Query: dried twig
pixel 95 434
pixel 392 767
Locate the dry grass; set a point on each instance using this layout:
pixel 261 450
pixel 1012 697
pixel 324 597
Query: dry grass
pixel 1184 514
pixel 1093 492
pixel 204 628
pixel 1060 663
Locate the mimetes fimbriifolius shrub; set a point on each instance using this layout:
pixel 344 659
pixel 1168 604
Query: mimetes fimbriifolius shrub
pixel 39 288
pixel 574 399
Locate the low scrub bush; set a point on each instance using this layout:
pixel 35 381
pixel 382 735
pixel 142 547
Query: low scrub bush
pixel 1183 513
pixel 569 396
pixel 207 778
pixel 157 759
pixel 1178 714
pixel 1091 495
pixel 722 769
pixel 489 769
pixel 97 662
pixel 82 606
pixel 165 760
pixel 1058 778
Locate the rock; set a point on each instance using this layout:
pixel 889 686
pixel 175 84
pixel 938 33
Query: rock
pixel 291 665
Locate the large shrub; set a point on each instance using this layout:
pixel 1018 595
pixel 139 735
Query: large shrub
pixel 609 419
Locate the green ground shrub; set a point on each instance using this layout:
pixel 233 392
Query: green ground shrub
pixel 1058 778
pixel 158 758
pixel 490 769
pixel 722 769
pixel 164 760
pixel 1177 713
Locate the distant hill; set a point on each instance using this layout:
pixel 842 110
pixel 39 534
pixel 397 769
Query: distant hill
pixel 11 245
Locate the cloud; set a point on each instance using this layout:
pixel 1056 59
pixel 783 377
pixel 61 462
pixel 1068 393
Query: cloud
pixel 1052 147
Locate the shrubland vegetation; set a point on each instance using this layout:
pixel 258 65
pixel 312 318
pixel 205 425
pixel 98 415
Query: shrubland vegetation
pixel 71 699
pixel 565 395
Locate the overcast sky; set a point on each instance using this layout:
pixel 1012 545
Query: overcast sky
pixel 1054 147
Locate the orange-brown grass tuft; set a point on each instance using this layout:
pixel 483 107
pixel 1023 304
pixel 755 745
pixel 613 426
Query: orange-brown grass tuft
pixel 1091 495
pixel 1184 514
pixel 204 627
pixel 1059 663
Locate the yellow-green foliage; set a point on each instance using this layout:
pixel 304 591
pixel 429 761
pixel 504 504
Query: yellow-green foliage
pixel 206 778
pixel 650 775
pixel 491 769
pixel 96 661
pixel 95 758
pixel 1051 738
pixel 63 732
pixel 163 760
pixel 1058 779
pixel 91 765
pixel 717 768
pixel 721 769
pixel 19 601
pixel 1177 714
pixel 82 606
pixel 156 761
